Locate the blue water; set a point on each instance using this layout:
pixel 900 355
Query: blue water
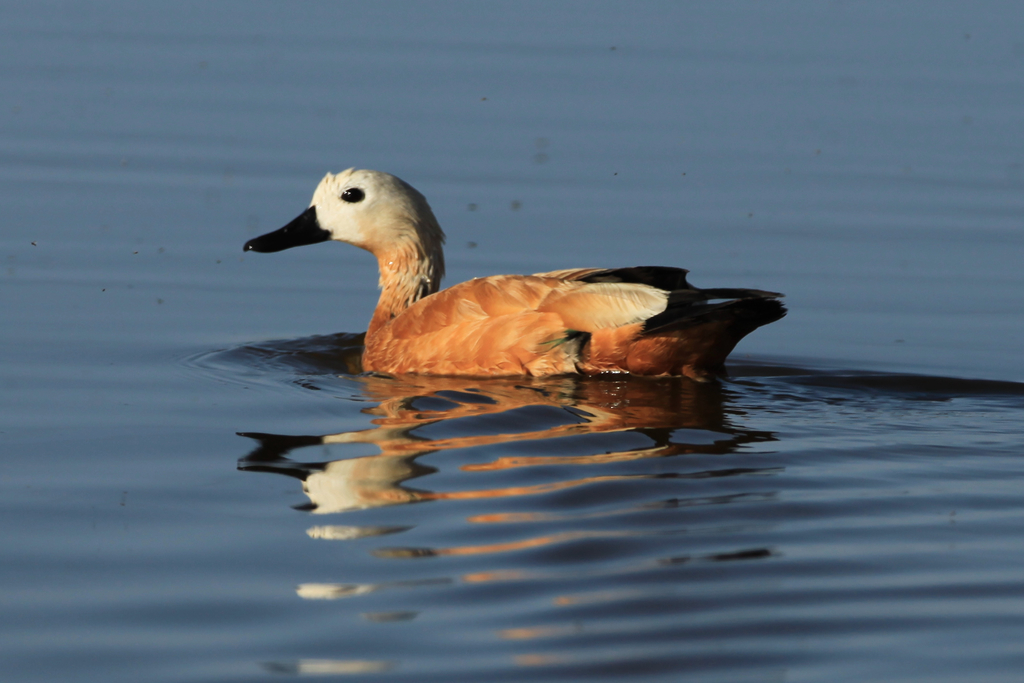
pixel 846 507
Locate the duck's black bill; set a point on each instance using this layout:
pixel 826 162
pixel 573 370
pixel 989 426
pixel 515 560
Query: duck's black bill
pixel 303 230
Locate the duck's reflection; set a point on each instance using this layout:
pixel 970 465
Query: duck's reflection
pixel 421 415
pixel 617 545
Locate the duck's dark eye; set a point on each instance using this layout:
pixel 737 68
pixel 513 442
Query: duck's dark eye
pixel 353 195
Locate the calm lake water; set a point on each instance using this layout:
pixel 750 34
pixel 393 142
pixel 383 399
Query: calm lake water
pixel 196 483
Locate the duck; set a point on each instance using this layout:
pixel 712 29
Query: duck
pixel 642 320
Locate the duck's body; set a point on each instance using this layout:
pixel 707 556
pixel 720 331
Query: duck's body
pixel 645 320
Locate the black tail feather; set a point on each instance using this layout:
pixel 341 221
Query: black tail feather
pixel 746 314
pixel 661 277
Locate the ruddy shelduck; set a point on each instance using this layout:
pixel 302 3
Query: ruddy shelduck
pixel 643 320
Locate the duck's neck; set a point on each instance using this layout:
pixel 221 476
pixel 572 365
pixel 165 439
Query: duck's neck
pixel 408 273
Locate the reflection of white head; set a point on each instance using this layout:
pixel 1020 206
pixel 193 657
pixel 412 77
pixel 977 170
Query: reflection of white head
pixel 344 532
pixel 360 483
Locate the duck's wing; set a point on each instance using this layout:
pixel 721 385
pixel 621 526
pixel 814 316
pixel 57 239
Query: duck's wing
pixel 584 299
pixel 684 303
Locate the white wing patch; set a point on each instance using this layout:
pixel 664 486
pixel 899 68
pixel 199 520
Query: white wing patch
pixel 593 306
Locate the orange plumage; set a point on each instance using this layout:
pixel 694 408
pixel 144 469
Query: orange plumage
pixel 643 320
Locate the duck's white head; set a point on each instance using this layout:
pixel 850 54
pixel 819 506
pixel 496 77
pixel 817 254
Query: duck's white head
pixel 377 212
pixel 369 209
